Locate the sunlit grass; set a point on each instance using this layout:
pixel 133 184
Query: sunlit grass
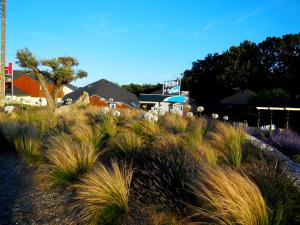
pixel 104 193
pixel 229 141
pixel 69 160
pixel 228 198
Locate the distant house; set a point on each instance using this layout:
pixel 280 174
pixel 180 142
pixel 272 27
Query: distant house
pixel 104 93
pixel 164 102
pixel 24 87
pixel 238 100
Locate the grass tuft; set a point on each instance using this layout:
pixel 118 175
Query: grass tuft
pixel 173 123
pixel 69 160
pixel 103 194
pixel 127 142
pixel 229 197
pixel 229 141
pixel 88 134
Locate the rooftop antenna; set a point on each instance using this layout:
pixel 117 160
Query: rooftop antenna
pixel 2 76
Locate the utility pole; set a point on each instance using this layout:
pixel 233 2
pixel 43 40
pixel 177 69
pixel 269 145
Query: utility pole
pixel 2 76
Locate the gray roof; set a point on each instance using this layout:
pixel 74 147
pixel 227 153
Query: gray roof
pixel 106 89
pixel 240 98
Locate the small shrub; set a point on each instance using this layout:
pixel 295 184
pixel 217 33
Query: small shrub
pixel 228 197
pixel 286 141
pixel 69 160
pixel 103 194
pixel 229 141
pixel 162 179
pixel 173 123
pixel 126 142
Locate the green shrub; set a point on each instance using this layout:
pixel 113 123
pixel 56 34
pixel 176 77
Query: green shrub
pixel 103 195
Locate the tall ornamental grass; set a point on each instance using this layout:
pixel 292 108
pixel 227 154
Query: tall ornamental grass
pixel 108 126
pixel 69 160
pixel 147 128
pixel 103 195
pixel 173 123
pixel 229 141
pixel 229 197
pixel 21 138
pixel 126 142
pixel 200 149
pixel 85 133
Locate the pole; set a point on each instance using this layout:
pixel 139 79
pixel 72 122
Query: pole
pixel 271 118
pixel 258 119
pixel 287 119
pixel 2 77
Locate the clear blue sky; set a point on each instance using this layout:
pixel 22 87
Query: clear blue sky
pixel 142 41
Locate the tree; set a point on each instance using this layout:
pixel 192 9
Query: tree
pixel 59 72
pixel 138 89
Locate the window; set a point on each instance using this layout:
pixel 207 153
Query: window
pixel 112 105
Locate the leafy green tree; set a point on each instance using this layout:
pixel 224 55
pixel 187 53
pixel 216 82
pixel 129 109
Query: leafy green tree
pixel 59 71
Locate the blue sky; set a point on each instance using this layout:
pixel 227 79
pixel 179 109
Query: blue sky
pixel 142 41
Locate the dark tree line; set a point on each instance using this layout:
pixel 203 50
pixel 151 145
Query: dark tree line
pixel 272 64
pixel 138 89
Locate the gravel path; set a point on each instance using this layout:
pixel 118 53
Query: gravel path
pixel 26 198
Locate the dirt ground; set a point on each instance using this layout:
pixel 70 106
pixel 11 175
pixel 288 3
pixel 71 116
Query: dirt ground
pixel 26 196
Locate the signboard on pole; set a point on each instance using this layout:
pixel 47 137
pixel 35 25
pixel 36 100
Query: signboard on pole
pixel 172 87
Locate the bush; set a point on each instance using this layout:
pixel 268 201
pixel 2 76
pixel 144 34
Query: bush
pixel 103 194
pixel 286 141
pixel 69 160
pixel 173 123
pixel 228 197
pixel 162 179
pixel 229 141
pixel 126 142
pixel 279 191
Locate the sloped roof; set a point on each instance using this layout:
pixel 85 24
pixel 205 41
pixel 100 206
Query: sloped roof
pixel 240 98
pixel 18 73
pixel 106 89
